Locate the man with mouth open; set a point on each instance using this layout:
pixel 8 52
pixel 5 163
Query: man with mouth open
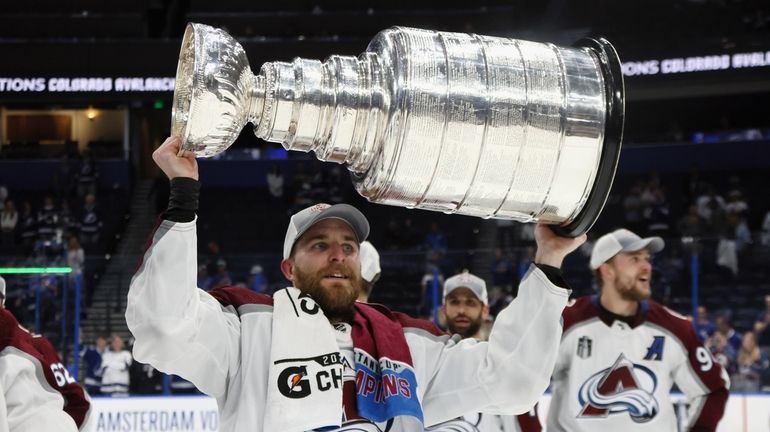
pixel 311 357
pixel 621 352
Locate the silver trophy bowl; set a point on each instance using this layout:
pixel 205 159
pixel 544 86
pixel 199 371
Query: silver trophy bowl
pixel 451 122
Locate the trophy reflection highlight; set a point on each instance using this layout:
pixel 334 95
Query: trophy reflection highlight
pixel 452 122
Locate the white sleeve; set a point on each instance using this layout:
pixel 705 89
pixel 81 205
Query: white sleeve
pixel 3 410
pixel 509 373
pixel 180 329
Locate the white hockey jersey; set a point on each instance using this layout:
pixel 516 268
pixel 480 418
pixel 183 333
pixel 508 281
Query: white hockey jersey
pixel 481 422
pixel 612 375
pixel 222 342
pixel 36 390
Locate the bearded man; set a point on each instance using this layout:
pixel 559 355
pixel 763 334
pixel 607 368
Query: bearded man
pixel 621 352
pixel 310 356
pixel 466 307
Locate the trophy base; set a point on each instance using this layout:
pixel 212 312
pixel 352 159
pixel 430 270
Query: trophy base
pixel 609 63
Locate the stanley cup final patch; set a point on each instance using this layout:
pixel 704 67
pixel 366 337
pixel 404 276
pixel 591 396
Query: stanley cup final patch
pixel 584 347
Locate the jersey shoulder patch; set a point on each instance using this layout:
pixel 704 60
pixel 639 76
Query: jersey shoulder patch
pixel 577 311
pixel 672 321
pixel 238 296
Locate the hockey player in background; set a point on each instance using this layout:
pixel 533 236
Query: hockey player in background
pixel 466 306
pixel 621 353
pixel 37 393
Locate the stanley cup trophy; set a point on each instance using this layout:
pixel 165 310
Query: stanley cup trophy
pixel 452 122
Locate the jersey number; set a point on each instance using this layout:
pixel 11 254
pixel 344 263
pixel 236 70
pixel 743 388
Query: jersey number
pixel 61 374
pixel 704 358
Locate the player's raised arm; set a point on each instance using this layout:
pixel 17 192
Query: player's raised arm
pixel 508 374
pixel 171 319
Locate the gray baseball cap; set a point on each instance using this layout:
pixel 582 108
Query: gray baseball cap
pixel 470 281
pixel 622 240
pixel 370 262
pixel 304 219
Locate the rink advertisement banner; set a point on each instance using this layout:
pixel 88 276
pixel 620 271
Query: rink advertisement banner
pixel 140 84
pixel 86 84
pixel 155 414
pixel 199 414
pixel 701 63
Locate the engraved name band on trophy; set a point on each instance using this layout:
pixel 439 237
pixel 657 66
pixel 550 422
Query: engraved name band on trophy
pixel 458 123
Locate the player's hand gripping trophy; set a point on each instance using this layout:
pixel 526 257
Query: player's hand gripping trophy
pixel 453 122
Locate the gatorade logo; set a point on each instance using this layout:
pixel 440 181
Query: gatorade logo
pixel 293 382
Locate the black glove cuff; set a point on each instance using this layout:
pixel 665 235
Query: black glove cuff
pixel 183 200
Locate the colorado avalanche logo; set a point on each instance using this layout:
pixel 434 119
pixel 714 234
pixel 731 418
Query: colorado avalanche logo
pixel 624 387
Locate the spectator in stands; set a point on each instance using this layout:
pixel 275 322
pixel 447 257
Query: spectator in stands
pixel 49 300
pixel 633 206
pixel 214 256
pixel 9 218
pixel 90 223
pixel 222 277
pixel 76 257
pixel 741 232
pixel 435 240
pixel 275 183
pixel 68 221
pixel 115 368
pixel 87 175
pixel 370 270
pixel 711 207
pixel 258 280
pixel 92 358
pixel 204 280
pixel 761 325
pixel 750 365
pixel 724 327
pixel 704 327
pixel 721 351
pixel 691 224
pixel 736 204
pixel 655 211
pixel 48 219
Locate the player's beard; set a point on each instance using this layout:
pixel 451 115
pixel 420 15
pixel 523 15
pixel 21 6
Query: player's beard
pixel 630 289
pixel 473 327
pixel 336 300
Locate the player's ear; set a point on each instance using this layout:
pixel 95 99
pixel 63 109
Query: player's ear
pixel 605 270
pixel 485 311
pixel 287 268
